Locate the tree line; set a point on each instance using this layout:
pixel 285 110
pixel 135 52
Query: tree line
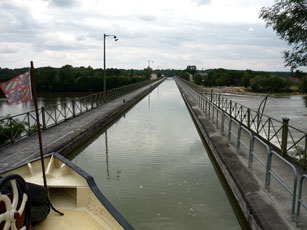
pixel 83 79
pixel 256 81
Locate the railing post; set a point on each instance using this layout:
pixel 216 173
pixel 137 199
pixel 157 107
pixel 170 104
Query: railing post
pixel 65 112
pixel 229 130
pixel 258 122
pixel 305 151
pixel 284 140
pixel 29 125
pixel 239 138
pixel 269 129
pixel 230 107
pixel 11 130
pixel 248 118
pixel 43 117
pixel 217 118
pixel 55 115
pixel 219 100
pixel 73 104
pixel 223 123
pixel 211 96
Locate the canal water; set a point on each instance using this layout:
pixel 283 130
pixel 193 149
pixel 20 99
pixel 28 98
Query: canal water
pixel 152 165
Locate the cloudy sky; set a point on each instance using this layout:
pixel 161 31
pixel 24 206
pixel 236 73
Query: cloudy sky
pixel 168 33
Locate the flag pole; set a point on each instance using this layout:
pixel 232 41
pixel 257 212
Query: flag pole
pixel 38 123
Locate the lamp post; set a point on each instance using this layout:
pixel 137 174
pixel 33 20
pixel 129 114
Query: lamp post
pixel 104 59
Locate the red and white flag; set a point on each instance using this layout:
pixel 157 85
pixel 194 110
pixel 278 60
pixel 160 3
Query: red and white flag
pixel 18 89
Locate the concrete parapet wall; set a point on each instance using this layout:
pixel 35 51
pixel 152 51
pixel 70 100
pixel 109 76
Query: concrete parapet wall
pixel 260 207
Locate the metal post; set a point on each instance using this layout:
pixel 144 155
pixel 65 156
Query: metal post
pixel 248 118
pixel 65 112
pixel 284 140
pixel 11 131
pixel 29 125
pixel 229 130
pixel 104 63
pixel 305 152
pixel 219 100
pixel 217 118
pixel 211 95
pixel 55 116
pixel 43 117
pixel 230 107
pixel 222 123
pixel 269 129
pixel 73 104
pixel 32 72
pixel 104 59
pixel 258 122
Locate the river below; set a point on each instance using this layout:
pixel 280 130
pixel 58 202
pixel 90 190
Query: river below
pixel 292 107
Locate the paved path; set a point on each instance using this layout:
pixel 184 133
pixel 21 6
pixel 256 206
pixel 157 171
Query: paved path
pixel 67 135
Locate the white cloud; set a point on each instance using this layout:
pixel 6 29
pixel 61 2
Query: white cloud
pixel 173 33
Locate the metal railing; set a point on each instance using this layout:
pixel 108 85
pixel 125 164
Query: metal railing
pixel 24 124
pixel 280 180
pixel 300 202
pixel 205 104
pixel 289 140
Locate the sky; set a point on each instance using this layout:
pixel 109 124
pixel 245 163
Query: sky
pixel 166 34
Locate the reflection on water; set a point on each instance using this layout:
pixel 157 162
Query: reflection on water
pixel 107 154
pixel 152 165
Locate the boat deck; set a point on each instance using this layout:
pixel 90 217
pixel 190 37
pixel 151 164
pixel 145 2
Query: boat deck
pixel 72 219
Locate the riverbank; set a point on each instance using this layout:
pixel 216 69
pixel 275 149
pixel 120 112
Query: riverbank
pixel 245 91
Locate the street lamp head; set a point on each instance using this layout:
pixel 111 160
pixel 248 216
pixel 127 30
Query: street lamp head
pixel 115 38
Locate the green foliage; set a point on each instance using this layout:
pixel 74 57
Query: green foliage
pixel 198 79
pixel 184 75
pixel 148 72
pixel 223 77
pixel 245 80
pixel 303 86
pixel 191 69
pixel 68 78
pixel 262 83
pixel 10 130
pixel 299 74
pixel 288 18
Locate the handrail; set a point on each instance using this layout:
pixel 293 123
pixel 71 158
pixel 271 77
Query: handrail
pixel 250 139
pixel 252 153
pixel 299 199
pixel 253 137
pixel 288 139
pixel 281 181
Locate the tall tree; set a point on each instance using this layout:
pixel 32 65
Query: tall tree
pixel 289 19
pixel 191 69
